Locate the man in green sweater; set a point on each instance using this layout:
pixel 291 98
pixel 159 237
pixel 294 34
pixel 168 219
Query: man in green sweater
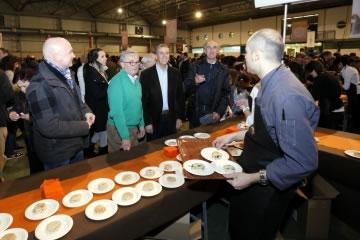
pixel 125 121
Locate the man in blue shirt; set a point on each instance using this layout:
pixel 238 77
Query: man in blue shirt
pixel 279 149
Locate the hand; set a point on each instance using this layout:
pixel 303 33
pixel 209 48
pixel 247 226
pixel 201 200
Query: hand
pixel 14 116
pixel 90 119
pixel 141 133
pixel 215 116
pixel 126 144
pixel 199 78
pixel 25 116
pixel 220 142
pixel 242 103
pixel 149 129
pixel 178 124
pixel 242 180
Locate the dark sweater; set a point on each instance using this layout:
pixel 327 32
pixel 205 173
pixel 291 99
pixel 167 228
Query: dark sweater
pixel 6 98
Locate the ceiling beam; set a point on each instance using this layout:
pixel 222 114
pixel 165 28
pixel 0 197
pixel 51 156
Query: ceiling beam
pixel 107 5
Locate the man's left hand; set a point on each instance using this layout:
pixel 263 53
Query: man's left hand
pixel 215 116
pixel 242 180
pixel 90 118
pixel 178 124
pixel 141 133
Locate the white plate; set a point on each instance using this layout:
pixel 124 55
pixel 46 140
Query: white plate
pixel 46 208
pixel 186 136
pixel 148 188
pixel 66 223
pixel 127 178
pixel 202 135
pixel 352 153
pixel 178 157
pixel 198 167
pixel 210 152
pixel 151 172
pixel 101 185
pixel 77 198
pixel 110 208
pixel 20 233
pixel 170 166
pixel 226 167
pixel 118 196
pixel 171 180
pixel 235 152
pixel 6 220
pixel 171 143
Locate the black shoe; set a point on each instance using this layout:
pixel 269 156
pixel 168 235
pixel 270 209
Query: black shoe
pixel 15 155
pixel 103 150
pixel 89 152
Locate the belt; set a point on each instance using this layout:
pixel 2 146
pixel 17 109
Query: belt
pixel 165 112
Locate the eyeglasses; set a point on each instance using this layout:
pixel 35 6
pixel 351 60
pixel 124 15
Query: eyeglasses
pixel 132 63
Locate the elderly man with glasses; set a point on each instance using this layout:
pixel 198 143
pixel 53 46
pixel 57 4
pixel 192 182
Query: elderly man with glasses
pixel 125 119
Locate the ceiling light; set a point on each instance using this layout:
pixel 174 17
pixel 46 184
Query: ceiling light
pixel 120 10
pixel 198 14
pixel 164 22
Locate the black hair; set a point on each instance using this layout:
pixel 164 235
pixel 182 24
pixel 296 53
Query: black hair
pixel 317 66
pixel 93 55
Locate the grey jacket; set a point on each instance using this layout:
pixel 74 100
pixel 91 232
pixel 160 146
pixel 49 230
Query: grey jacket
pixel 60 128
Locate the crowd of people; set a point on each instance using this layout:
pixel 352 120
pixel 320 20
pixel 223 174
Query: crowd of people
pixel 68 110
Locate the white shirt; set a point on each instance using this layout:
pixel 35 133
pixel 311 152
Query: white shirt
pixel 350 75
pixel 80 75
pixel 132 78
pixel 253 94
pixel 163 79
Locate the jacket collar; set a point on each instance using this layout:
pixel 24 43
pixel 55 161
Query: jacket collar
pixel 52 76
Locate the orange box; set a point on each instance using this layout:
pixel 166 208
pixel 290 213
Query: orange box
pixel 51 188
pixel 170 151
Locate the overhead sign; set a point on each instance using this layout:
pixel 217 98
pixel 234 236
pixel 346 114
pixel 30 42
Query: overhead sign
pixel 273 3
pixel 310 41
pixel 355 19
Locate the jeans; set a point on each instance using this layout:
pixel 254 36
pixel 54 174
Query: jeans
pixel 76 158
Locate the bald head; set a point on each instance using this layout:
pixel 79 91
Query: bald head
pixel 211 49
pixel 58 51
pixel 268 42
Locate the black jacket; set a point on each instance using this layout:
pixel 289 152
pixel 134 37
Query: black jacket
pixel 152 97
pixel 220 99
pixel 96 96
pixel 6 98
pixel 58 115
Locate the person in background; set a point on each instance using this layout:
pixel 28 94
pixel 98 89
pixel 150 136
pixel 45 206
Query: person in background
pixel 184 65
pixel 21 111
pixel 112 67
pixel 148 61
pixel 162 96
pixel 61 121
pixel 7 99
pixel 207 88
pixel 125 118
pixel 96 85
pixel 279 150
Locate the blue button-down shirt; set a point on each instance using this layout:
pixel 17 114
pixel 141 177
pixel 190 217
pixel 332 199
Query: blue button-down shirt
pixel 291 117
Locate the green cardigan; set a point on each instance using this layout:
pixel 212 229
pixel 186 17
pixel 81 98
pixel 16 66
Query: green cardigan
pixel 125 104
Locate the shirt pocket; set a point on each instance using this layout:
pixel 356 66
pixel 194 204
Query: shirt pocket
pixel 287 131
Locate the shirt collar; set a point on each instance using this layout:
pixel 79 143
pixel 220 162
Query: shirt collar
pixel 132 78
pixel 159 68
pixel 65 72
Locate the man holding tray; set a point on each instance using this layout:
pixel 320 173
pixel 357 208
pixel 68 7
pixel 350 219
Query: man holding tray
pixel 279 149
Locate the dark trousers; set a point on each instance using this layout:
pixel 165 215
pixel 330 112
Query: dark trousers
pixel 257 212
pixel 165 127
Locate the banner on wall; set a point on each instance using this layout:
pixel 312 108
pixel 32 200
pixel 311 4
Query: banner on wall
pixel 299 30
pixel 124 40
pixel 171 31
pixel 355 19
pixel 310 42
pixel 1 40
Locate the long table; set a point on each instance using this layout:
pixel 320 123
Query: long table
pixel 149 213
pixel 129 222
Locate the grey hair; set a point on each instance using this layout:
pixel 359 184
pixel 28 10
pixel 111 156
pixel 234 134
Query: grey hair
pixel 268 41
pixel 161 45
pixel 148 57
pixel 125 54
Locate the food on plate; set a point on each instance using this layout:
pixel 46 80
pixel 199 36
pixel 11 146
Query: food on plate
pixel 126 177
pixel 168 167
pixel 39 208
pixel 127 196
pixel 103 186
pixel 99 209
pixel 147 187
pixel 171 179
pixel 149 172
pixel 53 226
pixel 216 155
pixel 197 167
pixel 75 198
pixel 229 168
pixel 9 236
pixel 357 154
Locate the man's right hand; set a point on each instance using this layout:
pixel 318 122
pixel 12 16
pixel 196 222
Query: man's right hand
pixel 126 144
pixel 14 116
pixel 199 78
pixel 149 129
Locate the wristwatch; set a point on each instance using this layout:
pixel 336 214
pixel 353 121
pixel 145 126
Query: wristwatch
pixel 263 179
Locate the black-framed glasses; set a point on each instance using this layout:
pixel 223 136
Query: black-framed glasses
pixel 132 63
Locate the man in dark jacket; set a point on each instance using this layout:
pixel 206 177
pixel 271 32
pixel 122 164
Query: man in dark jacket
pixel 61 121
pixel 6 99
pixel 207 88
